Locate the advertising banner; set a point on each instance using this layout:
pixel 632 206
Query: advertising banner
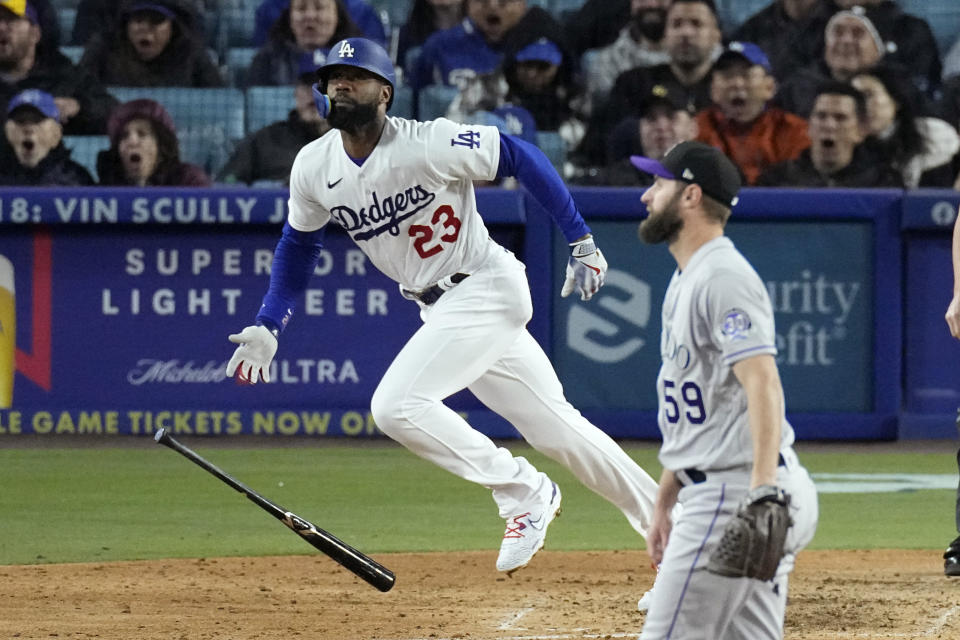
pixel 116 304
pixel 607 350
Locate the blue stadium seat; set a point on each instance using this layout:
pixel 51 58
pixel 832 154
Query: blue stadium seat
pixel 84 150
pixel 238 21
pixel 72 52
pixel 554 147
pixel 402 106
pixel 397 10
pixel 193 108
pixel 943 16
pixel 434 101
pixel 207 147
pixel 238 61
pixel 66 16
pixel 265 105
pixel 733 13
pixel 558 8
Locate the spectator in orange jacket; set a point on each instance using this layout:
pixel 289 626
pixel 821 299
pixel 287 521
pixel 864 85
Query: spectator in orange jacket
pixel 741 123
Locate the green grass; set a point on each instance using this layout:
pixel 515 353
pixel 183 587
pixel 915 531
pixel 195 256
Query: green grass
pixel 103 504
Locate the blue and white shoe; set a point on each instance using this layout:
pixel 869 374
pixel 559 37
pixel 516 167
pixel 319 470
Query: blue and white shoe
pixel 525 534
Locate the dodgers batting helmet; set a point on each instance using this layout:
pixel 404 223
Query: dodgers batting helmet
pixel 362 53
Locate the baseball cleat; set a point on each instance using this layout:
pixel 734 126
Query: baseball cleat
pixel 643 604
pixel 525 535
pixel 951 559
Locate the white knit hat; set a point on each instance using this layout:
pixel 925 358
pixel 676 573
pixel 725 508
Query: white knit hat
pixel 858 12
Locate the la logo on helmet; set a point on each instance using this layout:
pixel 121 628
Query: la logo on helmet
pixel 346 51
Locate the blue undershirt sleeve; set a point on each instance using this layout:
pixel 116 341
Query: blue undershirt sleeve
pixel 532 168
pixel 294 260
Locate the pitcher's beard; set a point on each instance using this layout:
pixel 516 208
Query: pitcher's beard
pixel 664 226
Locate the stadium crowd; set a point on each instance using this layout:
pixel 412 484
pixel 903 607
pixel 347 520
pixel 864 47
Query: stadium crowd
pixel 803 93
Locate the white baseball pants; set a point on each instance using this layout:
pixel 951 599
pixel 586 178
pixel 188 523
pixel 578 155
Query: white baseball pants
pixel 475 337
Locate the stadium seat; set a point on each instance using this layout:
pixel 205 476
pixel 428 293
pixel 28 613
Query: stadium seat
pixel 943 16
pixel 733 13
pixel 265 105
pixel 560 8
pixel 84 150
pixel 207 147
pixel 195 108
pixel 238 61
pixel 434 101
pixel 74 53
pixel 66 16
pixel 238 22
pixel 397 10
pixel 554 147
pixel 402 106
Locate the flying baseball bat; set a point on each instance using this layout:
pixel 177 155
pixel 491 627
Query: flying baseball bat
pixel 360 564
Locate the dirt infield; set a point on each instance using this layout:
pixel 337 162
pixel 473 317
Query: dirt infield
pixel 562 595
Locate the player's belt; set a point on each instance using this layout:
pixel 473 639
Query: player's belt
pixel 432 293
pixel 696 476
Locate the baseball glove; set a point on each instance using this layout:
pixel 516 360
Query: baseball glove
pixel 753 541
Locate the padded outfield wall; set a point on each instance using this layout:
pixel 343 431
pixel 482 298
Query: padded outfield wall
pixel 124 299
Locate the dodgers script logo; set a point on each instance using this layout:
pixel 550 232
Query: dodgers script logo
pixel 382 215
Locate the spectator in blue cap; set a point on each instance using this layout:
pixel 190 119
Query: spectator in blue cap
pixel 541 80
pixel 741 122
pixel 154 45
pixel 36 155
pixel 302 35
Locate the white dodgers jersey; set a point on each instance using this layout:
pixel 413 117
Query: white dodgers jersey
pixel 410 206
pixel 716 312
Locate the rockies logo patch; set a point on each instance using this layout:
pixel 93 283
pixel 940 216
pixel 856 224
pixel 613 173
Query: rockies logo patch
pixel 736 324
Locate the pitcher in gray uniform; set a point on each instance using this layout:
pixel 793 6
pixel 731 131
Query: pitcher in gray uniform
pixel 726 440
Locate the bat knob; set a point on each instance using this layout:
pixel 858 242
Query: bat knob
pixel 158 436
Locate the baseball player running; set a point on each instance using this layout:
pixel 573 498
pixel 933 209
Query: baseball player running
pixel 748 506
pixel 403 191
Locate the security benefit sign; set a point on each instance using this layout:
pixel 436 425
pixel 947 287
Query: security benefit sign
pixel 818 276
pixel 111 331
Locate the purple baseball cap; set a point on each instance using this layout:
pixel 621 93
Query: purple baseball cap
pixel 696 163
pixel 541 50
pixel 748 51
pixel 152 6
pixel 38 100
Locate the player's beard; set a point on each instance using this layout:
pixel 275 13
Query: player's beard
pixel 663 226
pixel 353 118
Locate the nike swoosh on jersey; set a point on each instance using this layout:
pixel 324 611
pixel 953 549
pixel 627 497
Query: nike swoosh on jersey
pixel 331 185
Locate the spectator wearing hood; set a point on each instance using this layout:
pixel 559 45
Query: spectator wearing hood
pixel 852 44
pixel 361 14
pixel 741 122
pixel 268 154
pixel 426 17
pixel 908 40
pixel 144 150
pixel 155 44
pixel 36 156
pixel 82 101
pixel 302 35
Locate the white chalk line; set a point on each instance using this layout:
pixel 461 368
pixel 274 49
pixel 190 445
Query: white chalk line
pixel 560 636
pixel 938 626
pixel 511 621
